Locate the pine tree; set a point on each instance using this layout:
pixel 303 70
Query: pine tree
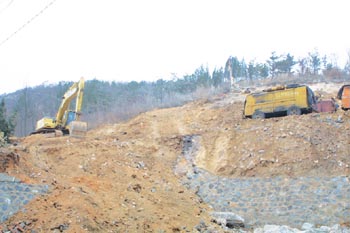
pixel 273 63
pixel 6 125
pixel 315 62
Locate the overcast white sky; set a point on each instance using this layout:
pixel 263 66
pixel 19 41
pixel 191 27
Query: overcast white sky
pixel 147 40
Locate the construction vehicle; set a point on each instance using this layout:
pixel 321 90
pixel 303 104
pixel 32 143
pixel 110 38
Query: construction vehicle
pixel 344 96
pixel 293 99
pixel 67 122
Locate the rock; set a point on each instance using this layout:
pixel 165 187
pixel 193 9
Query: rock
pixel 307 226
pixel 230 223
pixel 276 229
pixel 339 119
pixel 140 164
pixel 338 229
pixel 201 226
pixel 324 229
pixel 228 219
pixel 258 230
pixel 61 227
pixel 246 91
pixel 137 188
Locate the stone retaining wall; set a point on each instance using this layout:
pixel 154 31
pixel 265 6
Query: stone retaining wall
pixel 277 200
pixel 14 195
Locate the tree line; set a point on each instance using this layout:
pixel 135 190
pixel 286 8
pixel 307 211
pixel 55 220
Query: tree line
pixel 286 64
pixel 106 102
pixel 110 102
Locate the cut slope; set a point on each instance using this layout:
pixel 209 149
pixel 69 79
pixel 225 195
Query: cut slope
pixel 120 177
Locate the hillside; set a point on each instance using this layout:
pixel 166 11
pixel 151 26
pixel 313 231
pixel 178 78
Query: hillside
pixel 127 177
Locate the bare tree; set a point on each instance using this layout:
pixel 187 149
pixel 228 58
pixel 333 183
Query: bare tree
pixel 347 65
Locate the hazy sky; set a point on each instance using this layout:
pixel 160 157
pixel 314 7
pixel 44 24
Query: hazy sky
pixel 147 40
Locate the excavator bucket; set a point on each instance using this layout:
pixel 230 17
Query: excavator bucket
pixel 77 128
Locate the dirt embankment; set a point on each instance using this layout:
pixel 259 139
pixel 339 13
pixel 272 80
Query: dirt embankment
pixel 120 177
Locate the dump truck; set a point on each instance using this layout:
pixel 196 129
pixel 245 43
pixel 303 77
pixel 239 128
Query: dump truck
pixel 67 121
pixel 293 99
pixel 344 96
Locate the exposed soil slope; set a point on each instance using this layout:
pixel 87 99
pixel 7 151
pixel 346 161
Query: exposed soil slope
pixel 120 178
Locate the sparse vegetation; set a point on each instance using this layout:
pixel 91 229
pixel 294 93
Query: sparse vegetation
pixel 109 102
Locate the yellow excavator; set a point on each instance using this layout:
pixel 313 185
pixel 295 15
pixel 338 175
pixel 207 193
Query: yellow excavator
pixel 67 122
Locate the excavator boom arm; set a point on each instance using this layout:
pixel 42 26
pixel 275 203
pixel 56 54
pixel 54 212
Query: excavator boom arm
pixel 79 102
pixel 76 90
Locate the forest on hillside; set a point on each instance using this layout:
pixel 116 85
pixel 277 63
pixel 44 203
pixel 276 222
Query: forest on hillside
pixel 110 102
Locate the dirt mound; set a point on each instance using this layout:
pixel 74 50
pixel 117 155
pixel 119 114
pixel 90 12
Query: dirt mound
pixel 121 176
pixel 115 182
pixel 307 145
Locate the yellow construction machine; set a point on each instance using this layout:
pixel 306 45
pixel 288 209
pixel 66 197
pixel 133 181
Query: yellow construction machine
pixel 293 99
pixel 67 122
